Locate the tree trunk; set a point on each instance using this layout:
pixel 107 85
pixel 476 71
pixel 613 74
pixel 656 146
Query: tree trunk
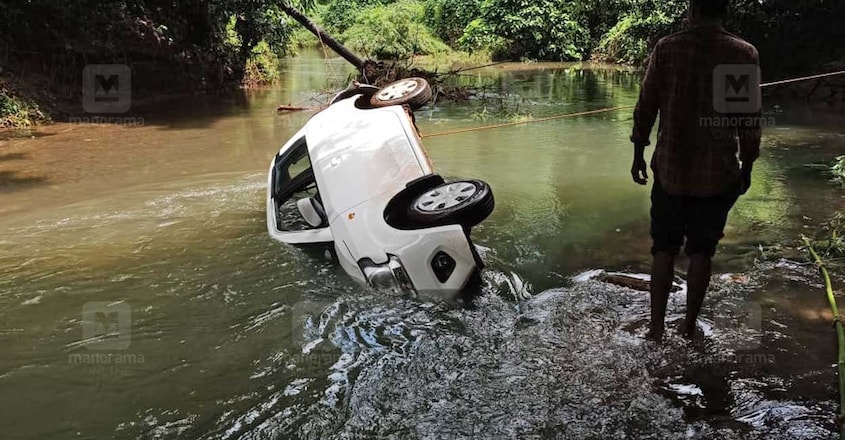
pixel 324 37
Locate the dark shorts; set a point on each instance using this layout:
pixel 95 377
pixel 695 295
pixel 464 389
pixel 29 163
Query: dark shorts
pixel 701 220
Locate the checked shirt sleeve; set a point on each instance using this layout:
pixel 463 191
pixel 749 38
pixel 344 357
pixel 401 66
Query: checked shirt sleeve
pixel 645 113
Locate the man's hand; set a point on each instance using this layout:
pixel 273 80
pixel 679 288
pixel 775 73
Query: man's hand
pixel 639 170
pixel 744 179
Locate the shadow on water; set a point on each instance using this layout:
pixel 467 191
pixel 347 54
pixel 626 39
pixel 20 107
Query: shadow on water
pixel 12 156
pixel 6 135
pixel 11 181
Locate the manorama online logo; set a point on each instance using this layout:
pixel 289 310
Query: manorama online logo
pixel 106 326
pixel 738 101
pixel 736 89
pixel 106 88
pixel 741 326
pixel 106 337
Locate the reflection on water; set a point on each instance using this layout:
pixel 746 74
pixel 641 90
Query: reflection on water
pixel 235 336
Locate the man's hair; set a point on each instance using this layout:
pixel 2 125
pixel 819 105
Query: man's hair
pixel 711 8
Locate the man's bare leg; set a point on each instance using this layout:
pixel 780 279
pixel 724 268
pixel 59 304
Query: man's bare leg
pixel 662 274
pixel 697 283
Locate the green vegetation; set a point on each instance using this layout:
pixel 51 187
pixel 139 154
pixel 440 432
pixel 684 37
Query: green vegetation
pixel 514 29
pixel 171 45
pixel 838 169
pixel 262 66
pixel 621 31
pixel 630 40
pixel 209 45
pixel 838 325
pixel 392 31
pixel 827 253
pixel 16 111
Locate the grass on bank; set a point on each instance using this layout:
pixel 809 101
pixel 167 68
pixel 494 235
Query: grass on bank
pixel 16 111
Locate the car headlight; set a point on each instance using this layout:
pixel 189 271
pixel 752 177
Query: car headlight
pixel 390 276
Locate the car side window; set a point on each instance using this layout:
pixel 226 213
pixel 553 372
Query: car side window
pixel 292 172
pixel 293 179
pixel 300 163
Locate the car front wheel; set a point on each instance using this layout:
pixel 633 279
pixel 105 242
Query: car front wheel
pixel 463 202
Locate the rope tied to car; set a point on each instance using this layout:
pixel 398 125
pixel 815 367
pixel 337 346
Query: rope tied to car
pixel 604 110
pixel 513 124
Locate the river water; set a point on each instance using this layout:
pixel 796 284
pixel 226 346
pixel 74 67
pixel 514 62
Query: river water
pixel 230 335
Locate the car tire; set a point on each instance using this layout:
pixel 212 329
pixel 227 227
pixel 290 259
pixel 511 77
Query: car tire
pixel 355 88
pixel 464 202
pixel 415 92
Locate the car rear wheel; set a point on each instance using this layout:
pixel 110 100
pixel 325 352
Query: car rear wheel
pixel 416 92
pixel 464 202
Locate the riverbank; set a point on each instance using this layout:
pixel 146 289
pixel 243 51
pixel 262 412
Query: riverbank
pixel 31 101
pixel 23 105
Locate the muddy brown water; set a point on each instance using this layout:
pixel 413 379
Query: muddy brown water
pixel 230 335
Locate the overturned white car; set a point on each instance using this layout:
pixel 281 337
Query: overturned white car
pixel 357 180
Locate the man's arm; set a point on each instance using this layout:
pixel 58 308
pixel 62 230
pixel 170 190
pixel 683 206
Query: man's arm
pixel 749 139
pixel 645 114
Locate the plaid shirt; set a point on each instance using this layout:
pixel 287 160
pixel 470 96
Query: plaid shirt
pixel 694 157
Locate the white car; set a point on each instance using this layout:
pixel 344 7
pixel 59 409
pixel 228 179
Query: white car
pixel 357 180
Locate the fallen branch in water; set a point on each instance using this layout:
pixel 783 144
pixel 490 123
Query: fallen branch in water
pixel 840 332
pixel 291 108
pixel 630 282
pixel 379 73
pixel 323 36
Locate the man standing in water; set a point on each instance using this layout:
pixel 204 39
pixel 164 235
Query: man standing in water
pixel 704 82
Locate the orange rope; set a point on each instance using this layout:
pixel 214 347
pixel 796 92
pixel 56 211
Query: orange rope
pixel 530 121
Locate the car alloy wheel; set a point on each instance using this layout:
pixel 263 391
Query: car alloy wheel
pixel 446 197
pixel 415 92
pixel 464 202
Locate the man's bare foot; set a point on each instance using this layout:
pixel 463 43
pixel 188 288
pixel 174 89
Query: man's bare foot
pixel 690 331
pixel 655 335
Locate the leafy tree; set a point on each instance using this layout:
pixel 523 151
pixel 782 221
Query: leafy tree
pixel 339 15
pixel 184 42
pixel 544 29
pixel 631 39
pixel 450 18
pixel 392 31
